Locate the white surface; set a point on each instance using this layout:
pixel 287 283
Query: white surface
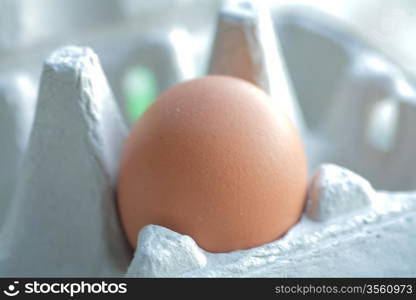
pixel 377 241
pixel 63 220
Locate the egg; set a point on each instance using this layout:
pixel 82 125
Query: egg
pixel 213 158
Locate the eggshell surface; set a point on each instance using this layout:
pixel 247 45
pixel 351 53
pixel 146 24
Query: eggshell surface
pixel 213 158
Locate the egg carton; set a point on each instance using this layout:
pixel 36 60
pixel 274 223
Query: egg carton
pixel 125 34
pixel 361 106
pixel 62 219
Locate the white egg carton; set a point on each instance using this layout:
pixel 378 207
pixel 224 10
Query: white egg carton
pixel 124 33
pixel 58 212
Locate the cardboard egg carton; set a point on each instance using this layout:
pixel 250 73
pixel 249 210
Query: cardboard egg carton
pixel 125 34
pixel 60 218
pixel 358 102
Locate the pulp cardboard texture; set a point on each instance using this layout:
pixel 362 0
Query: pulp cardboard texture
pixel 63 220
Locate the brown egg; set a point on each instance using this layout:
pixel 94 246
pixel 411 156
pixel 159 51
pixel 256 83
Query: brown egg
pixel 213 159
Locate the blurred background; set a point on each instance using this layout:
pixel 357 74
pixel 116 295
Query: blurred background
pixel 351 65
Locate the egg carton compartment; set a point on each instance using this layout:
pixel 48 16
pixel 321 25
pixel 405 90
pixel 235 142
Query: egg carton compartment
pixel 61 148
